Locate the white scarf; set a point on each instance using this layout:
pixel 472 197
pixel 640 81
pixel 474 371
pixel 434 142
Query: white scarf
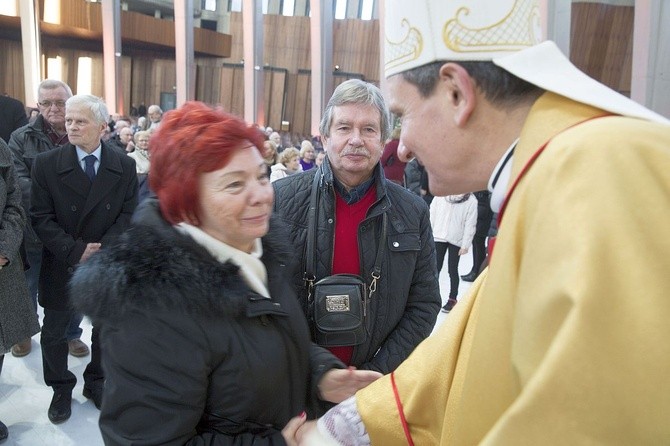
pixel 251 268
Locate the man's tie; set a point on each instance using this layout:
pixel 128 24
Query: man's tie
pixel 90 166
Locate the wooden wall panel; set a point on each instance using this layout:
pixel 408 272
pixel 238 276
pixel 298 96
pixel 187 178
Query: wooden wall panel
pixel 11 70
pixel 601 43
pixel 356 47
pixel 301 111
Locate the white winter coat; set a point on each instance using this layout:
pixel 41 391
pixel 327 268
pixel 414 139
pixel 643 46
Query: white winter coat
pixel 454 223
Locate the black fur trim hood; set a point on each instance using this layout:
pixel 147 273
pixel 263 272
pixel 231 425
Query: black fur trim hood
pixel 153 267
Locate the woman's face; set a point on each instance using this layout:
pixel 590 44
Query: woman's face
pixel 293 163
pixel 310 154
pixel 269 151
pixel 236 200
pixel 143 142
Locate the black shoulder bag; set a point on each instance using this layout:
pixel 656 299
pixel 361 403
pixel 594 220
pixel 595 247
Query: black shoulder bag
pixel 337 304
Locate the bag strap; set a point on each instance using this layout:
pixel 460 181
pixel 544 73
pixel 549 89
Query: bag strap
pixel 377 270
pixel 310 266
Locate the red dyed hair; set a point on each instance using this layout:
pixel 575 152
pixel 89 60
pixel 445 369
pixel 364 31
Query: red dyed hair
pixel 190 141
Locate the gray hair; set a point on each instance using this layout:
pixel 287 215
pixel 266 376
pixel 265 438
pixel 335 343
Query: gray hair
pixel 154 108
pixel 52 84
pixel 141 133
pixel 356 91
pixel 96 105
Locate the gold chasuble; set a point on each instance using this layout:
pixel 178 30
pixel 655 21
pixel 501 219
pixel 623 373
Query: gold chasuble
pixel 565 339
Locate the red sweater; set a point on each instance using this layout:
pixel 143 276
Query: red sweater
pixel 346 257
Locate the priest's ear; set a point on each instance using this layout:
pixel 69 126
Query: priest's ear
pixel 460 89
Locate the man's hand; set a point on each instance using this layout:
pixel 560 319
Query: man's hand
pixel 339 384
pixel 91 248
pixel 462 251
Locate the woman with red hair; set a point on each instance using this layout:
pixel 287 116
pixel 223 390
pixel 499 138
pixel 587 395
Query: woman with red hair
pixel 202 336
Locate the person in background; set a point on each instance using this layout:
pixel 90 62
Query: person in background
pixel 140 125
pixel 155 115
pixel 354 201
pixel 276 138
pixel 18 319
pixel 416 180
pixel 563 338
pixel 289 163
pixel 46 133
pixel 142 163
pixel 307 155
pixel 12 116
pixel 126 137
pixel 83 195
pixel 270 156
pixel 220 351
pixel 319 158
pixel 394 168
pixel 454 220
pixel 484 216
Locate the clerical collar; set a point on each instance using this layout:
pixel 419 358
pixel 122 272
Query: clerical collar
pixel 355 194
pixel 500 178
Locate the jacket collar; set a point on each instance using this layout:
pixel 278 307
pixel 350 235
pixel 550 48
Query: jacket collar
pixel 328 182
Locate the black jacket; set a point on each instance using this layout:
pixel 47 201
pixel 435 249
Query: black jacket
pixel 26 143
pixel 405 307
pixel 192 355
pixel 68 211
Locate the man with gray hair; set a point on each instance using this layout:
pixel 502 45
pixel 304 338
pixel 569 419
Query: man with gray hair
pixel 364 225
pixel 563 339
pixel 46 133
pixel 83 195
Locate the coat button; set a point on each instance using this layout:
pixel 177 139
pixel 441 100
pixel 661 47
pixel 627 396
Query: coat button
pixel 330 220
pixel 396 244
pixel 109 206
pixel 64 248
pixel 74 208
pixel 70 269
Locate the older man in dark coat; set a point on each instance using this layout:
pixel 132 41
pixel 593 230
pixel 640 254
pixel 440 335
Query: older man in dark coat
pixel 83 195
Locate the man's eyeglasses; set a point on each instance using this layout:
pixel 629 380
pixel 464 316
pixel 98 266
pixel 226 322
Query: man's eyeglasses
pixel 47 104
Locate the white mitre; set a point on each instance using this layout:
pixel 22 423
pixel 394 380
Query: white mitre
pixel 506 32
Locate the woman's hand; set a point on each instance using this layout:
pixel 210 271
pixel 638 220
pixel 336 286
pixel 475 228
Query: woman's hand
pixel 291 429
pixel 339 384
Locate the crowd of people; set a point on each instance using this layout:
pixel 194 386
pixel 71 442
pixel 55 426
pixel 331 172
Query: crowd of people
pixel 248 289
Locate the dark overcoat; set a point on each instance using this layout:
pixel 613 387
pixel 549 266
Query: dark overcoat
pixel 68 211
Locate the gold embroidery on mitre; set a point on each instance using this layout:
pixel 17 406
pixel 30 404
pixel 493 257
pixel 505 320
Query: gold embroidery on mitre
pixel 406 50
pixel 514 32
